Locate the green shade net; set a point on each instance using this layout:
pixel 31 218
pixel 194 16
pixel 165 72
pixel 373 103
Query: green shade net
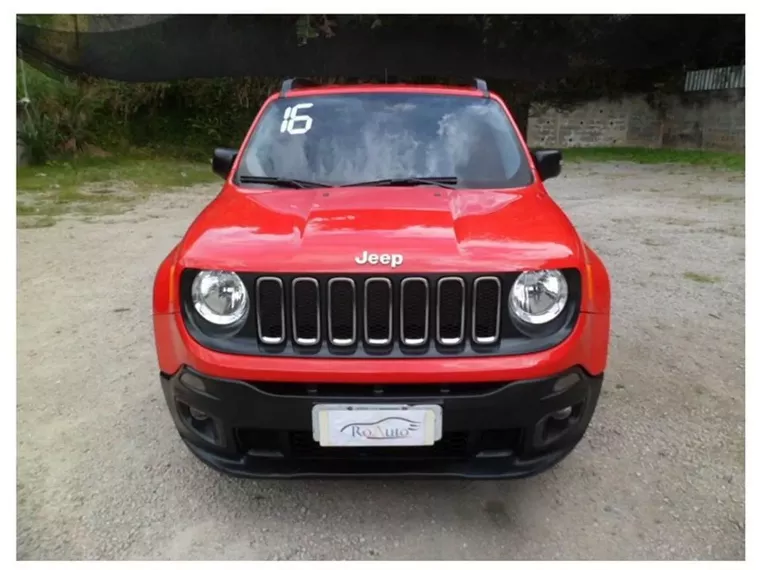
pixel 145 48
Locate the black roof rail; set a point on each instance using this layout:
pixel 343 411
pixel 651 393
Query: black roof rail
pixel 294 82
pixel 482 86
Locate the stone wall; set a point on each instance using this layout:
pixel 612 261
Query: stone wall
pixel 707 120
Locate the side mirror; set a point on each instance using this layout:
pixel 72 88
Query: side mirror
pixel 222 161
pixel 548 162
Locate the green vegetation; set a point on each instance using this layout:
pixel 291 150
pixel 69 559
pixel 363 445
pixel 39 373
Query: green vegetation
pixel 143 173
pixel 89 186
pixel 713 159
pixel 701 277
pixel 96 146
pixel 180 119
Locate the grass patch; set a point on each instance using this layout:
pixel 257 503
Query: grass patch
pixel 144 172
pixel 36 222
pixel 712 159
pixel 96 186
pixel 701 277
pixel 26 210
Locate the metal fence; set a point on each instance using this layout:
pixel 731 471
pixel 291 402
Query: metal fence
pixel 715 79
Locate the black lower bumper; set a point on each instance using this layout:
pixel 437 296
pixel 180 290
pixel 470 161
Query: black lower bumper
pixel 490 430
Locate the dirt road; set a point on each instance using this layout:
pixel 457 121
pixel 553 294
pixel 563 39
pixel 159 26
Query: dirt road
pixel 660 475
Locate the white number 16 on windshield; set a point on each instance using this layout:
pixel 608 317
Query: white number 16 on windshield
pixel 294 123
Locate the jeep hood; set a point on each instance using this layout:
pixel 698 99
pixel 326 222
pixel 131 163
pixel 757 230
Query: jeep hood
pixel 434 229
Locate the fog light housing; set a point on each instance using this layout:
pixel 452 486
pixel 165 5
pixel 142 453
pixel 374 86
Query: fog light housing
pixel 556 425
pixel 198 422
pixel 197 415
pixel 562 414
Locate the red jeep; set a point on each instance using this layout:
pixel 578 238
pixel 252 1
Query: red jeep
pixel 383 287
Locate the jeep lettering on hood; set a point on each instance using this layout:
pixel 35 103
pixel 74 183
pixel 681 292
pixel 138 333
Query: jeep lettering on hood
pixel 392 259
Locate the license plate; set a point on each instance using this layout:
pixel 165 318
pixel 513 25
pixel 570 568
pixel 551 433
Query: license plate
pixel 346 425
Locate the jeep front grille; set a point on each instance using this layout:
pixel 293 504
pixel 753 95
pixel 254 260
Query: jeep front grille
pixel 412 312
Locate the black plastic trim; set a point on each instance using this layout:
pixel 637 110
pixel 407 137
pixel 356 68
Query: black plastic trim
pixel 482 86
pixel 516 412
pixel 293 82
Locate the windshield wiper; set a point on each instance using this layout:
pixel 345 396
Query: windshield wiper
pixel 283 182
pixel 443 181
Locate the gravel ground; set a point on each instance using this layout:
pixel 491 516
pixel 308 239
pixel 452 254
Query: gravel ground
pixel 660 475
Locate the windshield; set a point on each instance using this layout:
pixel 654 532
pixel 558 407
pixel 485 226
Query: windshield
pixel 351 138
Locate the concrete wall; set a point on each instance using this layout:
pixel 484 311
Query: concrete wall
pixel 707 120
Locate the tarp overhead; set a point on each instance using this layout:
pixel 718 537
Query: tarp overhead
pixel 537 48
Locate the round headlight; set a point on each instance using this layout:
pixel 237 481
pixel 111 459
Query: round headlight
pixel 538 297
pixel 220 297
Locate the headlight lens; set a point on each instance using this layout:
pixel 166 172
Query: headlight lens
pixel 220 297
pixel 538 297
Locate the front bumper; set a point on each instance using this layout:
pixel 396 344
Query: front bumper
pixel 490 429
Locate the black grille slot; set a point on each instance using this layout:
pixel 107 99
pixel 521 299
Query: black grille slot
pixel 342 311
pixel 453 445
pixel 306 311
pixel 486 310
pixel 259 441
pixel 270 310
pixel 450 311
pixel 378 311
pixel 415 310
